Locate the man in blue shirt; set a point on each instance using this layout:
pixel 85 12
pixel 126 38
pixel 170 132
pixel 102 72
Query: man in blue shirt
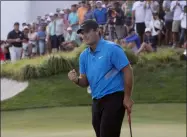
pixel 105 68
pixel 100 14
pixel 73 18
pixel 89 13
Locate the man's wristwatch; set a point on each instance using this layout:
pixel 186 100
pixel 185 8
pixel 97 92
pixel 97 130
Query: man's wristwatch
pixel 77 82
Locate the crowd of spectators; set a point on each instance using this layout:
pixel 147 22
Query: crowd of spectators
pixel 141 25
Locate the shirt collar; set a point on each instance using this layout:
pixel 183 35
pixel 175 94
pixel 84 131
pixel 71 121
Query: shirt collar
pixel 98 47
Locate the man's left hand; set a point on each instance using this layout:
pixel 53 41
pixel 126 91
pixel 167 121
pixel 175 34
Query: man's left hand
pixel 128 103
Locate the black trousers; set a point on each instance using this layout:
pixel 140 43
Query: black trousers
pixel 56 41
pixel 140 30
pixel 108 114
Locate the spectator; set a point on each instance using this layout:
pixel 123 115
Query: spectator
pixel 120 20
pixel 132 41
pixel 73 18
pixel 25 48
pixel 26 31
pixel 81 12
pixel 60 28
pixel 148 44
pixel 23 25
pixel 65 18
pixel 71 40
pixel 15 38
pixel 33 40
pixel 127 9
pixel 139 15
pixel 41 36
pixel 151 6
pixel 156 27
pixel 52 34
pixel 168 21
pixel 176 7
pixel 183 17
pixel 89 13
pixel 100 14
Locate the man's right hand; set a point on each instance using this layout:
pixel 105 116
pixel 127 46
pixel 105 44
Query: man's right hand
pixel 72 75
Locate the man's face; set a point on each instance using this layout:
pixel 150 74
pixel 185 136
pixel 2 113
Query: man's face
pixel 82 4
pixel 88 6
pixel 99 5
pixel 26 31
pixel 89 37
pixel 52 18
pixel 148 33
pixel 155 17
pixel 61 15
pixel 69 31
pixel 16 27
pixel 73 9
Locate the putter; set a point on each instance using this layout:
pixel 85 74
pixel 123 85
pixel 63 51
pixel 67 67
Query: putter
pixel 129 121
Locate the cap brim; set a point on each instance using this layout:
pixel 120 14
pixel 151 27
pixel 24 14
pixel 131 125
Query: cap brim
pixel 80 31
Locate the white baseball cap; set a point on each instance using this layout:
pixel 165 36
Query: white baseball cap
pixel 99 2
pixel 51 14
pixel 48 19
pixel 148 30
pixel 25 27
pixel 61 12
pixel 69 28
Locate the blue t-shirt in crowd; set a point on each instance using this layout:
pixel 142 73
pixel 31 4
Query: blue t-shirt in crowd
pixel 134 38
pixel 41 34
pixel 73 18
pixel 89 15
pixel 101 16
pixel 103 68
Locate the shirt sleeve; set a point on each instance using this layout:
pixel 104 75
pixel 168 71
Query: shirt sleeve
pixel 172 6
pixel 9 36
pixel 134 6
pixel 119 58
pixel 82 69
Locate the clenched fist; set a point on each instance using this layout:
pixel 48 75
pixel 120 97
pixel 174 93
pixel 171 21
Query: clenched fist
pixel 72 75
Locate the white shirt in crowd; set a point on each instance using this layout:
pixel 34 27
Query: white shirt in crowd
pixel 139 8
pixel 153 25
pixel 150 8
pixel 59 27
pixel 177 9
pixel 183 17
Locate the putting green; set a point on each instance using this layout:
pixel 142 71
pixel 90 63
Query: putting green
pixel 148 120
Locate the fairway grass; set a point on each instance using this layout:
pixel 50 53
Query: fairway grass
pixel 148 120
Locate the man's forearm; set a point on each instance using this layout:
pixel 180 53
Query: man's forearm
pixel 11 40
pixel 128 77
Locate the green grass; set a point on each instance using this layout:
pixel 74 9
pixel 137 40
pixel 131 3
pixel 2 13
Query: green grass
pixel 148 120
pixel 80 117
pixel 162 84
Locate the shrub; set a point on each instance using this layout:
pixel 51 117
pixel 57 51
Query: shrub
pixel 131 56
pixel 63 62
pixel 163 55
